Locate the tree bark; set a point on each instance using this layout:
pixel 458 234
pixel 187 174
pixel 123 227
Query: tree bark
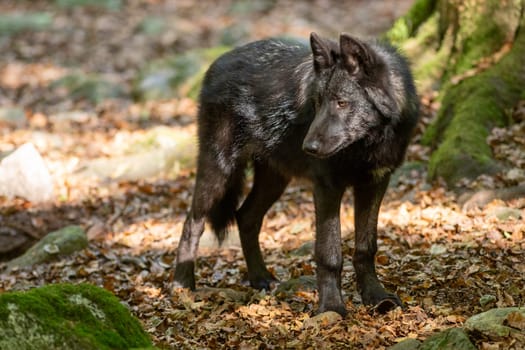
pixel 472 53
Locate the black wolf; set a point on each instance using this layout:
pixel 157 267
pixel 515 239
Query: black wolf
pixel 338 114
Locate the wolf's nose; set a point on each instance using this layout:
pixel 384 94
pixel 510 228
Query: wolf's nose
pixel 312 147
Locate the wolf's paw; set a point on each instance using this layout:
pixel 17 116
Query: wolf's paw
pixel 382 301
pixel 388 303
pixel 183 277
pixel 263 283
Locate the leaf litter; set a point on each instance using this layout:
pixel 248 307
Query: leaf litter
pixel 445 263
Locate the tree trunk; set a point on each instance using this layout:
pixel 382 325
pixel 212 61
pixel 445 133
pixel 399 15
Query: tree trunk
pixel 472 52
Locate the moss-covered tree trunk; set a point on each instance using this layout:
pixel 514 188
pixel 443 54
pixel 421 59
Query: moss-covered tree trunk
pixel 473 53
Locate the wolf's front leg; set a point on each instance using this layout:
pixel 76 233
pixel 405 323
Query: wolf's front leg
pixel 368 199
pixel 328 254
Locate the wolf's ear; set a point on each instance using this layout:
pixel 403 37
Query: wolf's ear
pixel 383 102
pixel 321 52
pixel 356 55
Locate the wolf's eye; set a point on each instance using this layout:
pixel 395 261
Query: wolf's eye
pixel 342 104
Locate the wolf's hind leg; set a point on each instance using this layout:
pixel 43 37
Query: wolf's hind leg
pixel 268 185
pixel 187 251
pixel 218 185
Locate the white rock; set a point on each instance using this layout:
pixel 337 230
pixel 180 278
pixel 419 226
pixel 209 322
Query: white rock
pixel 24 174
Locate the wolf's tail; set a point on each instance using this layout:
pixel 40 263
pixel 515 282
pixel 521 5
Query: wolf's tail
pixel 222 213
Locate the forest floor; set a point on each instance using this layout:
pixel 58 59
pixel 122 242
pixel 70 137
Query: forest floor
pixel 437 256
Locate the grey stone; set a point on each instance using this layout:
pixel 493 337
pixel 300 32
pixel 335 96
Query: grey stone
pixel 453 338
pixel 23 173
pixel 55 244
pixel 492 323
pixel 176 76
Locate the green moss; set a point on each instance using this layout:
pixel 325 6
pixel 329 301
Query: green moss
pixel 428 59
pixel 429 64
pixel 65 316
pixel 485 41
pixel 476 36
pixel 446 39
pixel 15 23
pixel 108 4
pixel 493 323
pixel 193 85
pixel 406 26
pixel 179 75
pixel 88 87
pixel 453 338
pixel 469 111
pixel 453 39
pixel 56 244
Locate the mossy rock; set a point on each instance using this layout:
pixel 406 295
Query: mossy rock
pixel 406 26
pixel 176 76
pixel 468 112
pixel 66 316
pixel 455 49
pixel 15 23
pixel 445 39
pixel 453 338
pixel 56 244
pixel 498 323
pixel 93 88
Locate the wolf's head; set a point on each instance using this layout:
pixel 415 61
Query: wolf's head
pixel 351 94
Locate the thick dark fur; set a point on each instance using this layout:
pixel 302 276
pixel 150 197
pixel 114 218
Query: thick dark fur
pixel 338 114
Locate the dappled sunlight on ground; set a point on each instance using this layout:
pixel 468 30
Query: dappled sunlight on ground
pixel 439 258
